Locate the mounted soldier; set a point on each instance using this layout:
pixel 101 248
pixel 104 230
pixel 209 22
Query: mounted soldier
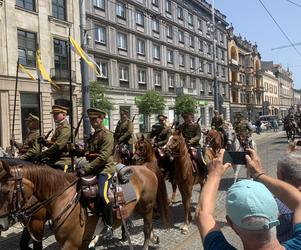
pixel 217 121
pixel 29 148
pixel 243 130
pixel 56 155
pixel 99 161
pixel 160 132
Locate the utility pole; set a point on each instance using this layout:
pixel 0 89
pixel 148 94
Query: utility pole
pixel 84 71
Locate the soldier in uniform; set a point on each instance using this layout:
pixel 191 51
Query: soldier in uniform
pixel 217 121
pixel 28 149
pixel 243 130
pixel 191 131
pixel 99 161
pixel 56 154
pixel 160 131
pixel 124 130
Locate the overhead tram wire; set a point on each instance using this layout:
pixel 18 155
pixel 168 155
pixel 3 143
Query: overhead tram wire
pixel 296 4
pixel 279 27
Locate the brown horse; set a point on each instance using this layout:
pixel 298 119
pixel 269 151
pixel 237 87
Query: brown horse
pixel 145 155
pixel 215 140
pixel 184 176
pixel 72 227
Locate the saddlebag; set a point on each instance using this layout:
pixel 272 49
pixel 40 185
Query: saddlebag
pixel 89 187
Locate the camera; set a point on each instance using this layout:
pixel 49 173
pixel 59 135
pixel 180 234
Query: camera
pixel 235 158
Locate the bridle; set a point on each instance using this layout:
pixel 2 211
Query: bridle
pixel 22 214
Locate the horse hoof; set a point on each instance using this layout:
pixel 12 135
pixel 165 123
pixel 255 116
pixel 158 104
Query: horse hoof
pixel 124 238
pixel 185 231
pixel 155 240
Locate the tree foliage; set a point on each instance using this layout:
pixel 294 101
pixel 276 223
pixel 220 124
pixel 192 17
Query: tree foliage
pixel 150 103
pixel 185 104
pixel 98 98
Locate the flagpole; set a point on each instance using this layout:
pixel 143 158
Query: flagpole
pixel 71 100
pixel 14 112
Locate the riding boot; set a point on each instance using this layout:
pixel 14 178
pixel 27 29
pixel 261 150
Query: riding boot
pixel 108 218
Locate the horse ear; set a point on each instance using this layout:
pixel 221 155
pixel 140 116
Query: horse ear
pixel 142 137
pixel 179 132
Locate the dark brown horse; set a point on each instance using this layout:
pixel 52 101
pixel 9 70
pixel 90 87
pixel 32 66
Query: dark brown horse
pixel 184 176
pixel 145 155
pixel 72 227
pixel 215 140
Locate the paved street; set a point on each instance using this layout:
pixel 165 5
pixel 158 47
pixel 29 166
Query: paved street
pixel 270 147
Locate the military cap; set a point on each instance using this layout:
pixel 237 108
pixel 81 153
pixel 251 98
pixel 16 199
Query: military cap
pixel 95 112
pixel 56 109
pixel 124 111
pixel 161 117
pixel 32 117
pixel 184 114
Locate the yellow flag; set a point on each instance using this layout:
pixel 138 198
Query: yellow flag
pixel 21 67
pixel 78 50
pixel 42 71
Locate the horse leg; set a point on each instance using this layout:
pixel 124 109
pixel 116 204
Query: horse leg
pixel 25 238
pixel 148 227
pixel 174 190
pixel 186 193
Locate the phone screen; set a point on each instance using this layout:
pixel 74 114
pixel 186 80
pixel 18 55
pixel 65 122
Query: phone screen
pixel 235 158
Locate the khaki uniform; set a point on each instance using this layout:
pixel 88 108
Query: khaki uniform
pixel 29 149
pixel 124 132
pixel 100 149
pixel 161 134
pixel 57 150
pixel 191 133
pixel 217 122
pixel 242 129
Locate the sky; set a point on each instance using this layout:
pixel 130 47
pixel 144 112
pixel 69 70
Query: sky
pixel 251 20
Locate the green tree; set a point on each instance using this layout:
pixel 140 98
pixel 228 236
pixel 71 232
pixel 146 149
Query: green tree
pixel 185 104
pixel 98 99
pixel 149 103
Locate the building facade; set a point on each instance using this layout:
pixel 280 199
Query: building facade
pixel 297 97
pixel 245 77
pixel 26 25
pixel 163 45
pixel 271 93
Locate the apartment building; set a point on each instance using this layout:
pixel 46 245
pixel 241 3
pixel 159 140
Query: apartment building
pixel 160 45
pixel 271 94
pixel 297 97
pixel 245 77
pixel 25 25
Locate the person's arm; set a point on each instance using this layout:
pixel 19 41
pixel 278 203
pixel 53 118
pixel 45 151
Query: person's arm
pixel 198 136
pixel 127 135
pixel 285 192
pixel 207 199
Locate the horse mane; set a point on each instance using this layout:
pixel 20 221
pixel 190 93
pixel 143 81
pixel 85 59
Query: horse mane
pixel 15 161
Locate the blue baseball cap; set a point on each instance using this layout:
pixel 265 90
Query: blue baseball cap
pixel 247 199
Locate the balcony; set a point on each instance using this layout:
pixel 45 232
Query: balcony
pixel 259 89
pixel 234 64
pixel 186 91
pixel 62 75
pixel 235 84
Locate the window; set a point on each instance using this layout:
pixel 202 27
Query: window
pixel 27 48
pixel 27 4
pixel 181 59
pixel 182 81
pixel 100 4
pixel 169 31
pixel 190 19
pixel 202 88
pixel 180 13
pixel 157 77
pixel 192 63
pixel 171 80
pixel 168 6
pixel 156 25
pixel 169 56
pixel 191 41
pixel 59 9
pixel 222 55
pixel 61 62
pixel 155 2
pixel 156 51
pixel 209 68
pixel 210 88
pixel 192 83
pixel 201 45
pixel 120 10
pixel 223 72
pixel 201 68
pixel 181 36
pixel 140 47
pixel 140 18
pixel 209 49
pixel 100 35
pixel 142 76
pixel 103 66
pixel 200 25
pixel 123 73
pixel 122 41
pixel 222 37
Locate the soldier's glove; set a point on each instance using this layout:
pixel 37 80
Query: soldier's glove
pixel 42 140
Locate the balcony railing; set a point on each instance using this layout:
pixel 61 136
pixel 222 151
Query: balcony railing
pixel 62 75
pixel 187 91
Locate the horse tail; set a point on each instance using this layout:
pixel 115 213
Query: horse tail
pixel 162 199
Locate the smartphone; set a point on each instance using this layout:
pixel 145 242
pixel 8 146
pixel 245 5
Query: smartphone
pixel 298 143
pixel 235 158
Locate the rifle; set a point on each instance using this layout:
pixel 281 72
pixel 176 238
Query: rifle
pixel 78 125
pixel 198 120
pixel 133 119
pixel 47 135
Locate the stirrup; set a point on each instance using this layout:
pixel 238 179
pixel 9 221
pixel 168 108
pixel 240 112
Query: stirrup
pixel 107 233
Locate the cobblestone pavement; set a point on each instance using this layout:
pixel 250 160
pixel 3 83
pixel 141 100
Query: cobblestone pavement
pixel 270 146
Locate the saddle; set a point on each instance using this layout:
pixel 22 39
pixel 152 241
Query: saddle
pixel 198 161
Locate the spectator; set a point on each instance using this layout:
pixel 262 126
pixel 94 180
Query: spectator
pixel 258 124
pixel 288 170
pixel 251 209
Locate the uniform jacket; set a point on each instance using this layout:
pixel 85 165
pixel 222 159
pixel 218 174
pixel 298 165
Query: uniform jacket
pixel 191 133
pixel 30 147
pixel 161 133
pixel 217 122
pixel 242 129
pixel 57 152
pixel 100 149
pixel 124 132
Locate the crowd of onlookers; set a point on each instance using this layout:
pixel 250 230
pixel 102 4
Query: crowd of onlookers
pixel 264 212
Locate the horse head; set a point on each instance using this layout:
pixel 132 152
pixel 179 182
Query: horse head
pixel 175 141
pixel 15 191
pixel 143 148
pixel 230 136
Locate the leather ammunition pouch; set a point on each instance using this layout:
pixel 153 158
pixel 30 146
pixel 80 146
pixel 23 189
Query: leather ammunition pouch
pixel 88 186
